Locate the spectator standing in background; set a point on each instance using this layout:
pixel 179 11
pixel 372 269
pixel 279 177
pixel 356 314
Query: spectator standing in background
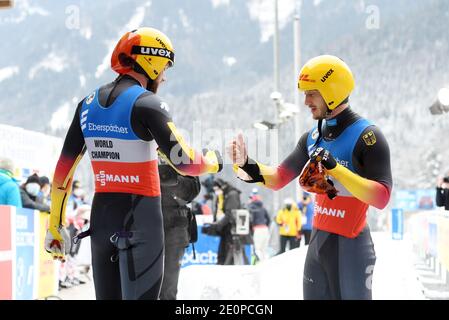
pixel 9 189
pixel 29 193
pixel 289 220
pixel 44 193
pixel 306 207
pixel 442 192
pixel 260 221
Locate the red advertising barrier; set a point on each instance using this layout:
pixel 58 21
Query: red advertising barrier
pixel 27 271
pixel 7 257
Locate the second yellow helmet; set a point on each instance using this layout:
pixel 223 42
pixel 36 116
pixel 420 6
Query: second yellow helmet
pixel 329 75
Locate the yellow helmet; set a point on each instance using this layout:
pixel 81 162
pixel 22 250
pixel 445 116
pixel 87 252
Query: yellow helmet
pixel 330 76
pixel 151 49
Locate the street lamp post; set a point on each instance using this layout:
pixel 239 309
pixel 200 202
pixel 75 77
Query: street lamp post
pixel 297 62
pixel 284 110
pixel 441 105
pixel 276 86
pixel 264 125
pixel 276 48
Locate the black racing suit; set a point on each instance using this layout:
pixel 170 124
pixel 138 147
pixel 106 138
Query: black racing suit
pixel 176 192
pixel 442 198
pixel 336 267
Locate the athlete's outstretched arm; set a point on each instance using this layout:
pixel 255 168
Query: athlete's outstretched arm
pixel 153 115
pixel 271 177
pixel 369 191
pixel 71 154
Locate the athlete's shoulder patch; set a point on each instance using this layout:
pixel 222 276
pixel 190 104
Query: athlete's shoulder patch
pixel 315 134
pixel 90 98
pixel 164 106
pixel 369 138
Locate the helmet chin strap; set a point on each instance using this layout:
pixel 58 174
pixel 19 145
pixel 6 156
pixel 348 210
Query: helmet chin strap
pixel 320 124
pixel 138 70
pixel 150 83
pixel 151 86
pixel 329 111
pixel 320 133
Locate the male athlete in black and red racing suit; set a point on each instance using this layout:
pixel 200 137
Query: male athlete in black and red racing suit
pixel 123 125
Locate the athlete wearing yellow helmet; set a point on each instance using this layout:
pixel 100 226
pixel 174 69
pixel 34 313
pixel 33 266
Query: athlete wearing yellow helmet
pixel 145 51
pixel 330 76
pixel 355 155
pixel 123 126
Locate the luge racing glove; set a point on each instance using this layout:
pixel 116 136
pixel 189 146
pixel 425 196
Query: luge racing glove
pixel 57 243
pixel 313 177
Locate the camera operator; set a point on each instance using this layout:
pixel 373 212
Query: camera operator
pixel 442 196
pixel 231 245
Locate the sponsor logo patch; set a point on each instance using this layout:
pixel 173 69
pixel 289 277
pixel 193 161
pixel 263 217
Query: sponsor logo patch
pixel 155 52
pixel 90 98
pixel 104 178
pixel 329 211
pixel 369 138
pixel 164 106
pixel 305 77
pixel 107 128
pixel 327 75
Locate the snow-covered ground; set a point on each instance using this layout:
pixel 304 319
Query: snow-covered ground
pixel 276 278
pixel 395 276
pixel 280 277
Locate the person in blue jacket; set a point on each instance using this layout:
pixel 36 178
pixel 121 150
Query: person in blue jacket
pixel 9 189
pixel 306 207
